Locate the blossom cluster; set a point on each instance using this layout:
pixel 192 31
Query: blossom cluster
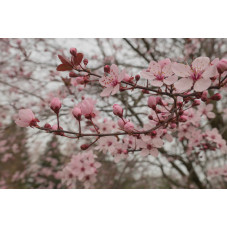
pixel 179 98
pixel 83 168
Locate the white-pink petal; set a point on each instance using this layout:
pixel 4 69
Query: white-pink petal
pixel 156 83
pixel 181 70
pixel 115 89
pixel 202 84
pixel 183 84
pixel 154 68
pixel 170 80
pixel 211 71
pixel 200 63
pixel 106 92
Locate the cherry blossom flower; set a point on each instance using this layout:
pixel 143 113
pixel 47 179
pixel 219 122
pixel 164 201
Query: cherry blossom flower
pixel 129 127
pixel 206 110
pixel 26 118
pixel 112 81
pixel 198 75
pixel 160 73
pixel 87 107
pixel 147 149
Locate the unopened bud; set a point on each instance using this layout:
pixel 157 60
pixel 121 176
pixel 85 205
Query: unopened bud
pixel 73 51
pixel 117 110
pixel 204 96
pixel 84 147
pixel 183 118
pixel 152 102
pixel 55 105
pixel 72 74
pixel 196 102
pixel 77 113
pixel 216 97
pixel 137 77
pixel 85 61
pixel 107 69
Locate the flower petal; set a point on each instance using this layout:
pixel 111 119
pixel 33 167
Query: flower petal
pixel 183 84
pixel 181 70
pixel 170 80
pixel 156 83
pixel 200 63
pixel 106 92
pixel 167 70
pixel 154 152
pixel 115 89
pixel 154 68
pixel 202 84
pixel 210 72
pixel 106 81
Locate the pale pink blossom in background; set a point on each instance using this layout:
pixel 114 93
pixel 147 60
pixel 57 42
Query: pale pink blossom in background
pixel 26 118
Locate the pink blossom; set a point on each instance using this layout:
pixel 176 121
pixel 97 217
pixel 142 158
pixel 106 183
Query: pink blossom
pixel 152 102
pixel 121 123
pixel 222 66
pixel 129 127
pixel 87 107
pixel 117 110
pixel 55 105
pixel 206 110
pixel 198 75
pixel 77 113
pixel 112 82
pixel 159 73
pixel 26 118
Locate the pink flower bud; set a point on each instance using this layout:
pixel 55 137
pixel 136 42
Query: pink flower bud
pixel 183 118
pixel 173 125
pixel 137 77
pixel 77 113
pixel 150 117
pixel 72 74
pixel 84 147
pixel 117 110
pixel 107 69
pixel 85 61
pixel 145 91
pixel 125 151
pixel 48 126
pixel 152 102
pixel 129 127
pixel 153 133
pixel 204 96
pixel 55 105
pixel 127 78
pixel 196 102
pixel 121 123
pixel 216 97
pixel 179 104
pixel 73 51
pixel 26 118
pixel 222 66
pixel 159 101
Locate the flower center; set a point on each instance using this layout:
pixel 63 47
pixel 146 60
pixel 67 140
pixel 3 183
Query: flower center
pixel 159 76
pixel 196 75
pixel 114 83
